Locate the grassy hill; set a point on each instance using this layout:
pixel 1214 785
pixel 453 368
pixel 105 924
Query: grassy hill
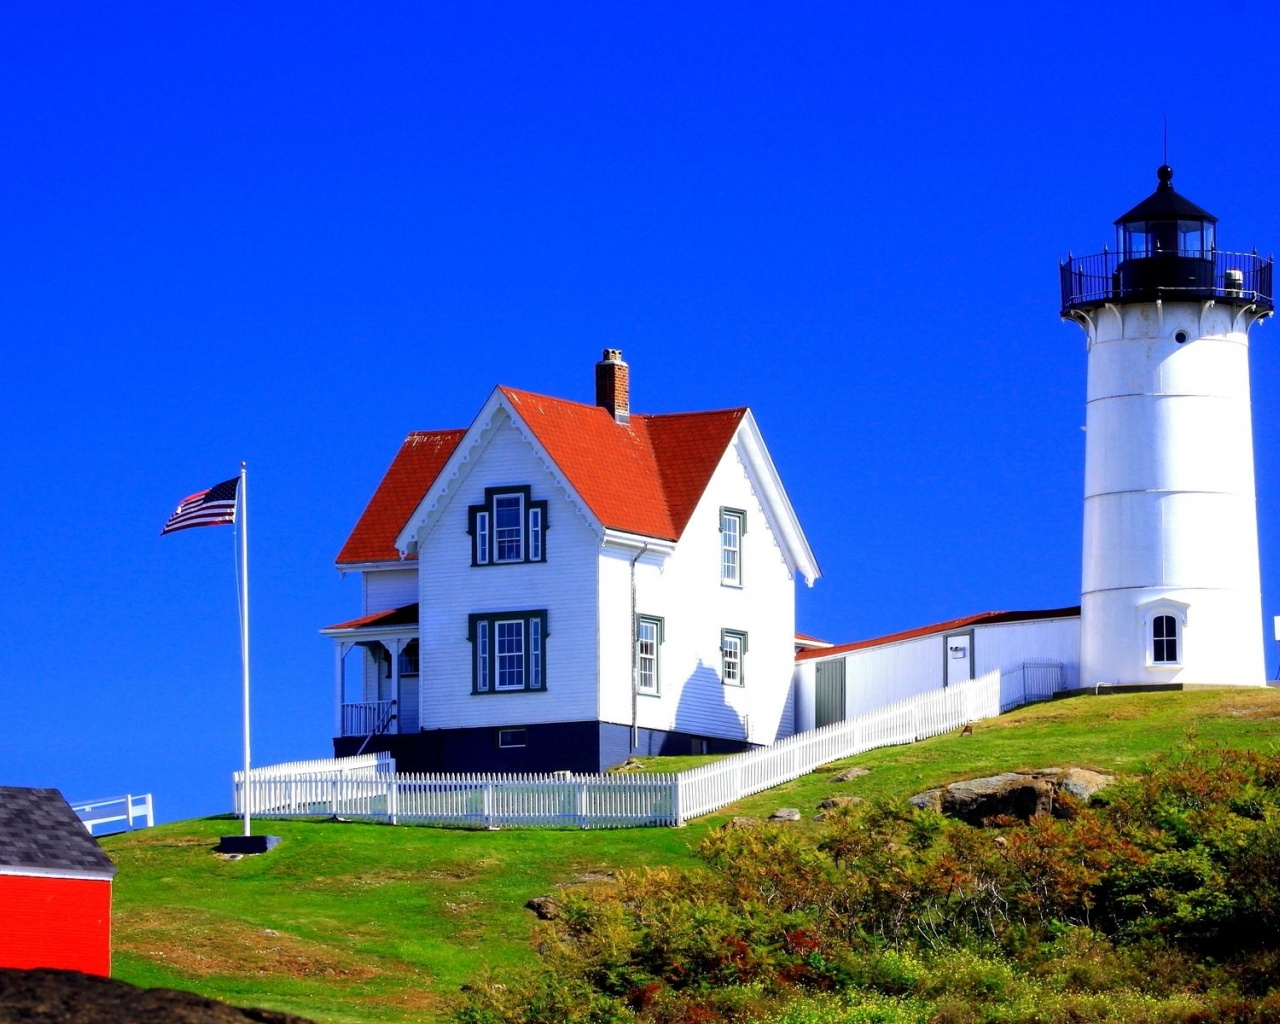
pixel 366 922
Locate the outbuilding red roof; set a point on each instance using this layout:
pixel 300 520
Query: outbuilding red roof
pixel 642 477
pixel 981 619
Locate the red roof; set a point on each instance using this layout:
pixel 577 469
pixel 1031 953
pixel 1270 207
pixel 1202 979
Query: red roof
pixel 641 477
pixel 415 466
pixel 981 619
pixel 405 616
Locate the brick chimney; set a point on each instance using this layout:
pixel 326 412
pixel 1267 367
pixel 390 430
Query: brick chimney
pixel 613 385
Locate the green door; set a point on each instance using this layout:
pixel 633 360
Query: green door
pixel 829 702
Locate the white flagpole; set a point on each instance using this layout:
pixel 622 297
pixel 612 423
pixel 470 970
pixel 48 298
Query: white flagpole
pixel 244 633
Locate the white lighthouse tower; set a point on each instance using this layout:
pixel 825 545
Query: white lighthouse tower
pixel 1170 590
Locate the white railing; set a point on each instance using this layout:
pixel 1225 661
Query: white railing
pixel 365 786
pixel 128 812
pixel 364 719
pixel 341 767
pixel 1032 681
pixel 712 786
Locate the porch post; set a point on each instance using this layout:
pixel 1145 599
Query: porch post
pixel 340 649
pixel 397 645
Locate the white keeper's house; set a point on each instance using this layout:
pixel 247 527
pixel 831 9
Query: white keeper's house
pixel 562 586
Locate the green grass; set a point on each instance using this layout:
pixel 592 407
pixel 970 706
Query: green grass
pixel 365 922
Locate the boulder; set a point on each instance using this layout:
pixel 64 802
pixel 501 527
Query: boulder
pixel 741 822
pixel 849 774
pixel 839 801
pixel 1018 796
pixel 1082 783
pixel 785 814
pixel 545 907
pixel 929 800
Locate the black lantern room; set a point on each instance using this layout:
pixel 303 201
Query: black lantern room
pixel 1166 249
pixel 1167 243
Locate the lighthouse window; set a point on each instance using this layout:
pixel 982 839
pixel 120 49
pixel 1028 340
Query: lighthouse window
pixel 1191 237
pixel 1135 240
pixel 1164 640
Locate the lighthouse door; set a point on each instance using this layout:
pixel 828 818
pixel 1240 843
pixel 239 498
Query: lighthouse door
pixel 957 653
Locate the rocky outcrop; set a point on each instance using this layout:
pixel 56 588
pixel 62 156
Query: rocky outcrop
pixel 1013 794
pixel 785 814
pixel 849 774
pixel 545 907
pixel 69 997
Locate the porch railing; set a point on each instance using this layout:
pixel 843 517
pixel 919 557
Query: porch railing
pixel 367 718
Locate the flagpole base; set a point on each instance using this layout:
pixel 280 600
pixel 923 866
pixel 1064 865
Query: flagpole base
pixel 247 844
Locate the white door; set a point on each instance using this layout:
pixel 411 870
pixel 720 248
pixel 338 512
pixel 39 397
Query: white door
pixel 958 655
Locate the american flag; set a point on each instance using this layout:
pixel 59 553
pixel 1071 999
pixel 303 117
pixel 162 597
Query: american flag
pixel 213 507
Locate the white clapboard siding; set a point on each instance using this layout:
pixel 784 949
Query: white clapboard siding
pixel 362 787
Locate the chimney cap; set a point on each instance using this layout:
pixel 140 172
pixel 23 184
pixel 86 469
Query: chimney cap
pixel 612 355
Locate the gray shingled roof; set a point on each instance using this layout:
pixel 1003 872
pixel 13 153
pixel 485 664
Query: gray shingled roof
pixel 38 829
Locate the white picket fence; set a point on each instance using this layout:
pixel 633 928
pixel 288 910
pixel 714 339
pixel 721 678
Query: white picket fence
pixel 365 787
pixel 490 801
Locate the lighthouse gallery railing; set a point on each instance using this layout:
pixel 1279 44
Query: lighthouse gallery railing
pixel 1237 276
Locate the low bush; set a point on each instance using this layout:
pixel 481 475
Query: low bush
pixel 1161 904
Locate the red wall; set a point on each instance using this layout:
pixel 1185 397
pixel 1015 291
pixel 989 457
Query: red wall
pixel 55 922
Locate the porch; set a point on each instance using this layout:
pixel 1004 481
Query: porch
pixel 375 674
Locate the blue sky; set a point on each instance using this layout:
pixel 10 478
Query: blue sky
pixel 291 233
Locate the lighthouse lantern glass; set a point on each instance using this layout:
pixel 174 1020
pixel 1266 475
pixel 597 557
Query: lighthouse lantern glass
pixel 1167 238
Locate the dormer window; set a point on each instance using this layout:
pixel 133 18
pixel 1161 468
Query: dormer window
pixel 508 528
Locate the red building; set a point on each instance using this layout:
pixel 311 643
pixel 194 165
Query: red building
pixel 55 886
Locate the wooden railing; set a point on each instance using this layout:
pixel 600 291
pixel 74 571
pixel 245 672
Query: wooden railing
pixel 350 787
pixel 116 814
pixel 365 718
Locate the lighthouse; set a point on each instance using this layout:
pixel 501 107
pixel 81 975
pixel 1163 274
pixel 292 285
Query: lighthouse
pixel 1170 590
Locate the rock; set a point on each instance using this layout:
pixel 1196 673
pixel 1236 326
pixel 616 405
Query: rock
pixel 785 814
pixel 1082 783
pixel 839 801
pixel 741 823
pixel 1020 795
pixel 849 774
pixel 69 997
pixel 1012 794
pixel 929 800
pixel 545 907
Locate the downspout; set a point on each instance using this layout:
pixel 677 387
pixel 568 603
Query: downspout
pixel 635 663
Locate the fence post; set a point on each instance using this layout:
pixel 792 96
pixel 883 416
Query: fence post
pixel 488 804
pixel 582 804
pixel 393 802
pixel 676 813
